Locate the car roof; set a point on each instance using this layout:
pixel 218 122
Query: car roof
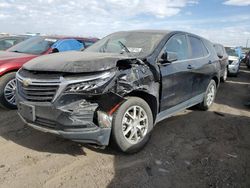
pixel 69 37
pixel 12 36
pixel 146 31
pixel 164 32
pixel 218 44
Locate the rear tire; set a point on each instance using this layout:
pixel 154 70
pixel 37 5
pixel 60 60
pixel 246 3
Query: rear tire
pixel 224 77
pixel 132 125
pixel 209 96
pixel 7 91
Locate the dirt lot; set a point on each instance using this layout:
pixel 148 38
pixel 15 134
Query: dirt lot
pixel 191 149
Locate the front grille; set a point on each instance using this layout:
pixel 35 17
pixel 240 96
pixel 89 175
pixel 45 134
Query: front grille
pixel 37 91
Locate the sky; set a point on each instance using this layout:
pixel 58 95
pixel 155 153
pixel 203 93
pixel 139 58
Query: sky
pixel 222 21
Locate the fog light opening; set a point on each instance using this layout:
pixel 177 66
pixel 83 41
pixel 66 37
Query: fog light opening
pixel 104 120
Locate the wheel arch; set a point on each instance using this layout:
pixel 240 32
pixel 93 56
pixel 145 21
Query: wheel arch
pixel 217 81
pixel 9 71
pixel 150 99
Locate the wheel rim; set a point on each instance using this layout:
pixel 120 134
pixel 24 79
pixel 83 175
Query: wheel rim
pixel 225 75
pixel 10 92
pixel 210 95
pixel 135 124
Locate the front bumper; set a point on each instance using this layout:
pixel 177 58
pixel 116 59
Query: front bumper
pixel 74 121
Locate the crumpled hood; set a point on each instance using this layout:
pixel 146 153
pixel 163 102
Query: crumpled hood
pixel 6 56
pixel 74 62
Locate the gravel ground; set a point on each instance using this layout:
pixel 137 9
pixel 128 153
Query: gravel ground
pixel 192 149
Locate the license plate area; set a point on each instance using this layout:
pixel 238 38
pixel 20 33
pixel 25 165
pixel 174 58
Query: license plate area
pixel 27 111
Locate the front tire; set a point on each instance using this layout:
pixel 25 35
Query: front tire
pixel 209 96
pixel 7 91
pixel 132 125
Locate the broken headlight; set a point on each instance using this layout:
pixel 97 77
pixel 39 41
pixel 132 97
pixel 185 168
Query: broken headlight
pixel 90 85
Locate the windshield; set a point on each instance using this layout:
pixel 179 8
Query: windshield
pixel 132 43
pixel 231 52
pixel 34 45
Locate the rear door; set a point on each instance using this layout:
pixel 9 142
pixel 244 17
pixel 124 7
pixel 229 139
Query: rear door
pixel 200 65
pixel 176 77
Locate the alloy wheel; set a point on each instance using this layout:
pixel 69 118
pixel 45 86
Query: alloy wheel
pixel 135 124
pixel 10 92
pixel 211 95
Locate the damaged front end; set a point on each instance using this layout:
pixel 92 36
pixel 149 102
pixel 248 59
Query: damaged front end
pixel 79 106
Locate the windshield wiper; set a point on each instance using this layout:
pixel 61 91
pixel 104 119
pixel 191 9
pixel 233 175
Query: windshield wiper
pixel 124 46
pixel 16 51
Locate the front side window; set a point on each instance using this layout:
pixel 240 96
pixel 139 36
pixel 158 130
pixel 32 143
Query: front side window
pixel 197 47
pixel 178 44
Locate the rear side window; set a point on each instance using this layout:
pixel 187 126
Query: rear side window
pixel 178 44
pixel 198 49
pixel 219 49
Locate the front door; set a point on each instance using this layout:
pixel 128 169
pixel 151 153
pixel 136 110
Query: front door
pixel 177 79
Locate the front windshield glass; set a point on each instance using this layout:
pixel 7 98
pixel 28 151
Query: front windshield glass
pixel 231 52
pixel 34 45
pixel 132 43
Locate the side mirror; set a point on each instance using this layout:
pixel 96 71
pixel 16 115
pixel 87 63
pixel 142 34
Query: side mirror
pixel 169 57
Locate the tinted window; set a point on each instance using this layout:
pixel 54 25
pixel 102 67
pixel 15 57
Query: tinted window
pixel 178 44
pixel 197 47
pixel 219 49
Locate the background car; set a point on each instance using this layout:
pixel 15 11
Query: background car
pixel 9 41
pixel 247 60
pixel 222 54
pixel 233 61
pixel 13 59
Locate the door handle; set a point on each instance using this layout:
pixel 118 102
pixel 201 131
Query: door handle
pixel 190 67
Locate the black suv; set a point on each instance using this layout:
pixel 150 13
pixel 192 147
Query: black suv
pixel 119 88
pixel 222 54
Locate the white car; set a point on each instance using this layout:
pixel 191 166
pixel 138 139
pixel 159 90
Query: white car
pixel 233 62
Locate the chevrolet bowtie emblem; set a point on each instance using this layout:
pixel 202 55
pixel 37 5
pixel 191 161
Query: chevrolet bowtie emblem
pixel 26 83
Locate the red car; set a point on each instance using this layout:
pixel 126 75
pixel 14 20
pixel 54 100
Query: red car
pixel 13 59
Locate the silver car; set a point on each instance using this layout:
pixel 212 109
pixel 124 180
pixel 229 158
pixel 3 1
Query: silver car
pixel 234 62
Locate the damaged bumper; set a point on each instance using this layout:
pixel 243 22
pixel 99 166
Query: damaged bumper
pixel 77 125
